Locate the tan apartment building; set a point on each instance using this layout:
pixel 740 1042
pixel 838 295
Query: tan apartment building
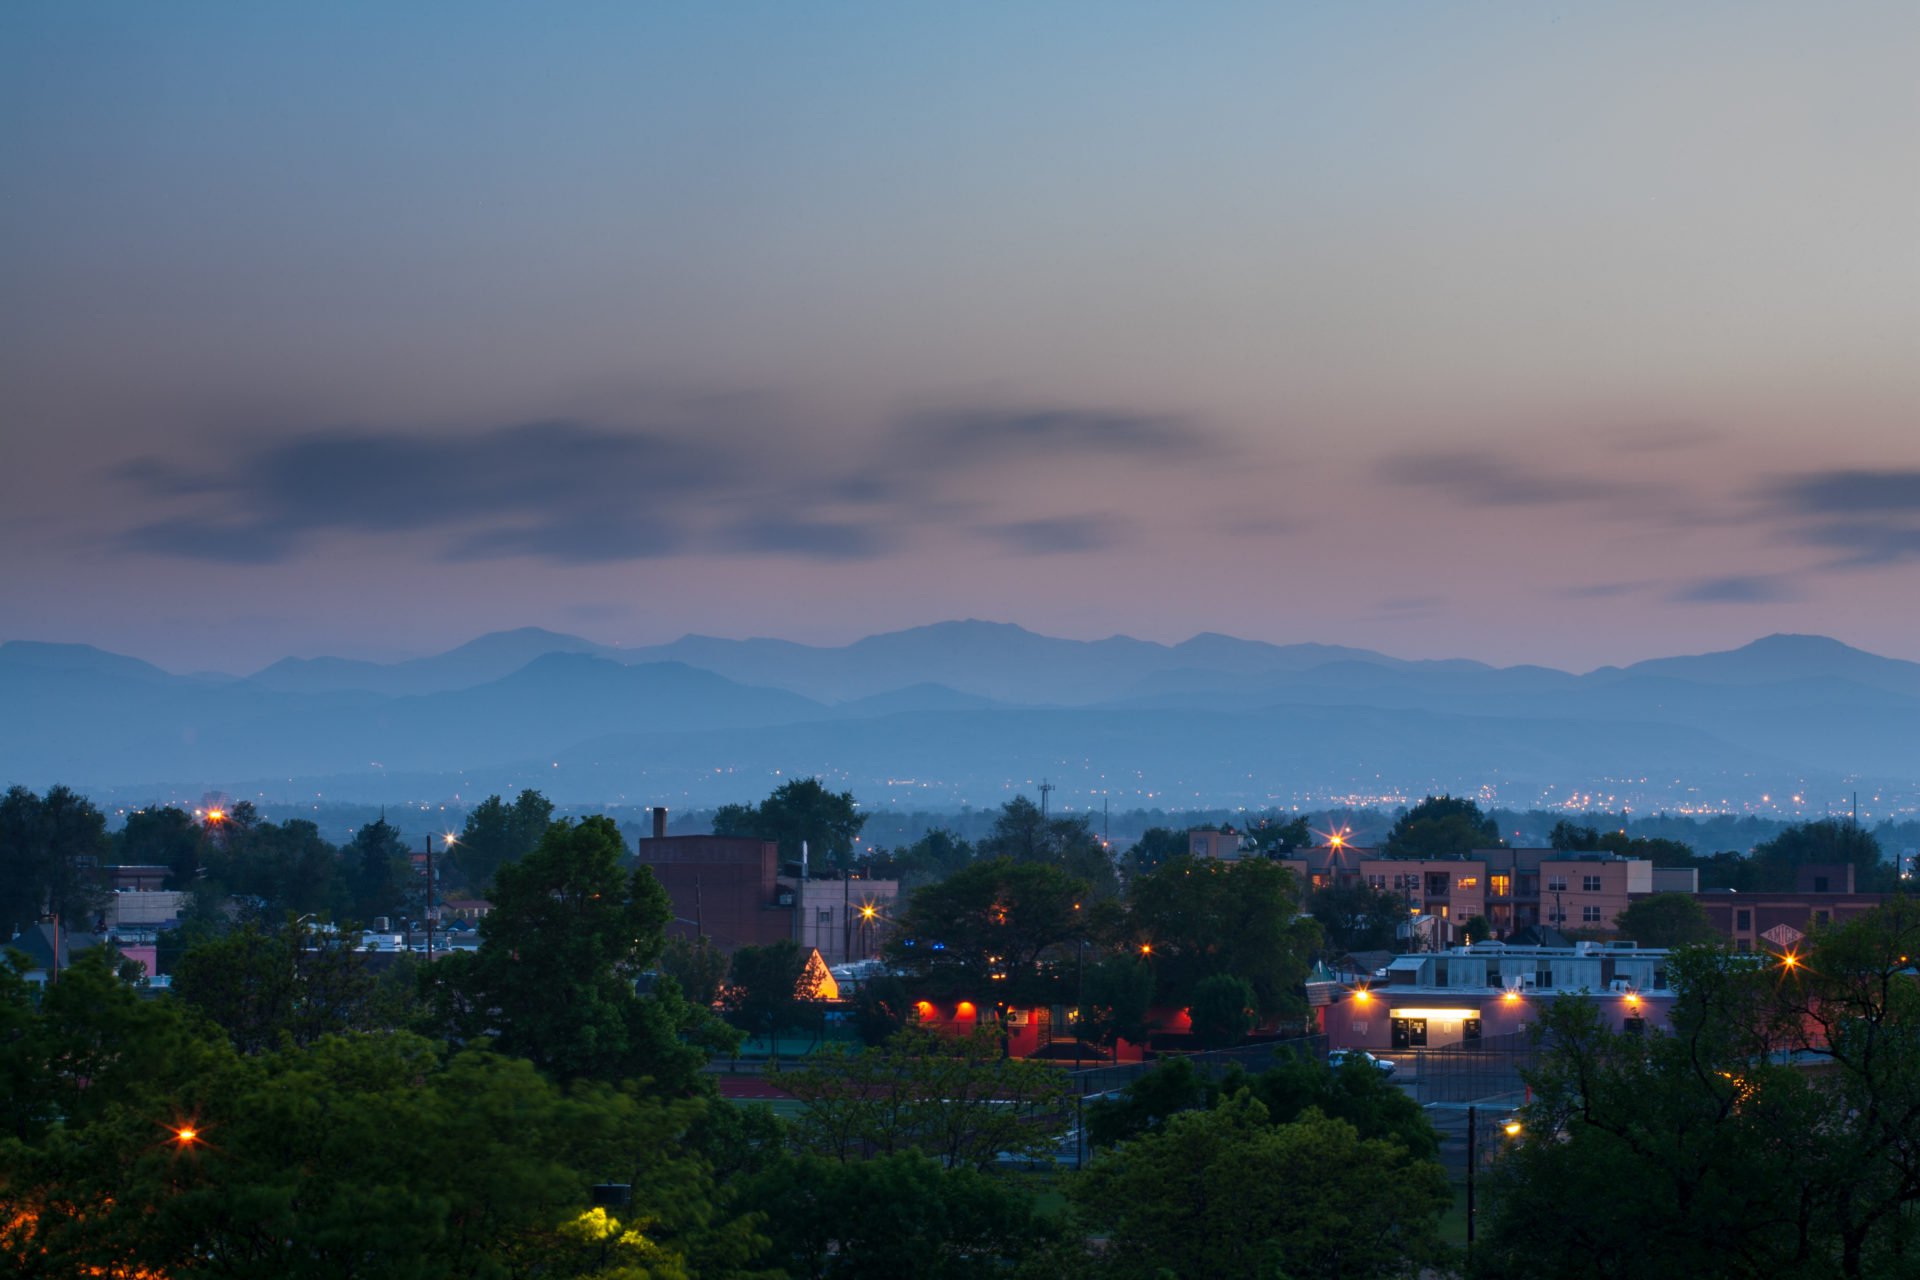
pixel 1513 888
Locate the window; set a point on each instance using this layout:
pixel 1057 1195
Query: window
pixel 1376 882
pixel 1436 883
pixel 1500 886
pixel 1590 884
pixel 1544 978
pixel 1469 882
pixel 1820 884
pixel 1556 917
pixel 1659 978
pixel 1745 944
pixel 1556 884
pixel 1743 921
pixel 1634 1026
pixel 1821 917
pixel 1589 915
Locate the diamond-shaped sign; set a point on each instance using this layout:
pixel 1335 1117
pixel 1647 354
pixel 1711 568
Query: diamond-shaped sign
pixel 1783 935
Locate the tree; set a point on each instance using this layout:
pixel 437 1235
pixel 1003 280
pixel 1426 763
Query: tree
pixel 956 1098
pixel 1274 838
pixel 892 1216
pixel 800 811
pixel 1156 847
pixel 1224 1193
pixel 1832 840
pixel 163 837
pixel 1117 1000
pixel 1666 920
pixel 930 859
pixel 272 869
pixel 1442 827
pixel 380 868
pixel 368 1156
pixel 1204 916
pixel 697 965
pixel 1476 928
pixel 497 833
pixel 554 978
pixel 259 986
pixel 993 917
pixel 768 986
pixel 1355 1092
pixel 1712 1150
pixel 49 847
pixel 1358 917
pixel 1222 1011
pixel 1024 834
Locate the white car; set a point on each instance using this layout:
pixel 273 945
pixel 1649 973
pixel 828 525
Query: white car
pixel 1339 1058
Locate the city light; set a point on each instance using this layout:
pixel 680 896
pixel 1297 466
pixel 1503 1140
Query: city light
pixel 185 1137
pixel 1512 1127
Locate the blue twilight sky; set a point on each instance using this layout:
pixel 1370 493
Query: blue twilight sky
pixel 1530 332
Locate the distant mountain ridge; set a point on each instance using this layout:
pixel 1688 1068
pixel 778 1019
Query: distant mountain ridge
pixel 964 700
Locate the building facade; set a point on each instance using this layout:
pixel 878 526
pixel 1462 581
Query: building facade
pixel 1464 995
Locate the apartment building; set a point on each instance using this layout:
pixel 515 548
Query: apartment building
pixel 1512 888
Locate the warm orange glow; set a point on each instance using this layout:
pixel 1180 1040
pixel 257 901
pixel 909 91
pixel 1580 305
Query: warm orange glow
pixel 1789 961
pixel 1512 1127
pixel 964 1008
pixel 216 815
pixel 1146 949
pixel 1338 842
pixel 866 912
pixel 1512 997
pixel 185 1136
pixel 1362 996
pixel 450 838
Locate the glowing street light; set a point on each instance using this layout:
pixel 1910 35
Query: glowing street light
pixel 187 1136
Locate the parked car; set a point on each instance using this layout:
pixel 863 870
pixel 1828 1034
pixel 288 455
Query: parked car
pixel 1341 1057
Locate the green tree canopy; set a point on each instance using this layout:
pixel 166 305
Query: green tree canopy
pixel 1206 916
pixel 260 985
pixel 993 917
pixel 1777 862
pixel 554 978
pixel 1714 1150
pixel 1116 1000
pixel 273 868
pixel 163 837
pixel 497 833
pixel 368 1156
pixel 894 1216
pixel 1021 832
pixel 49 846
pixel 1222 1011
pixel 1355 1092
pixel 379 870
pixel 956 1098
pixel 799 811
pixel 1442 827
pixel 697 965
pixel 1278 835
pixel 768 987
pixel 1358 917
pixel 1156 847
pixel 1667 920
pixel 1225 1193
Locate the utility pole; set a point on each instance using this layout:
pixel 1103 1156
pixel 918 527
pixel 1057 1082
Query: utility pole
pixel 1473 1124
pixel 429 895
pixel 1045 787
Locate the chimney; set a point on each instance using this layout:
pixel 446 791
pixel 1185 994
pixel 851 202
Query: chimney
pixel 659 823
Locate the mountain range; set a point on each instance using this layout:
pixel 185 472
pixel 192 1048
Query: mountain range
pixel 965 711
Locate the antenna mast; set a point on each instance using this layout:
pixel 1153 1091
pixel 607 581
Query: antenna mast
pixel 1045 787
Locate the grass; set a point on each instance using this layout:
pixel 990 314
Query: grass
pixel 1453 1223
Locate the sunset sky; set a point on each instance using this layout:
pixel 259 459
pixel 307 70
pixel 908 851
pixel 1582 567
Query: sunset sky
pixel 1554 333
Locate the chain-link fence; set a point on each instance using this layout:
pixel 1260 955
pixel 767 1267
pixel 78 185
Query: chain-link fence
pixel 1486 1070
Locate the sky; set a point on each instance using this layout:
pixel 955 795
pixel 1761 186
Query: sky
pixel 1570 334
